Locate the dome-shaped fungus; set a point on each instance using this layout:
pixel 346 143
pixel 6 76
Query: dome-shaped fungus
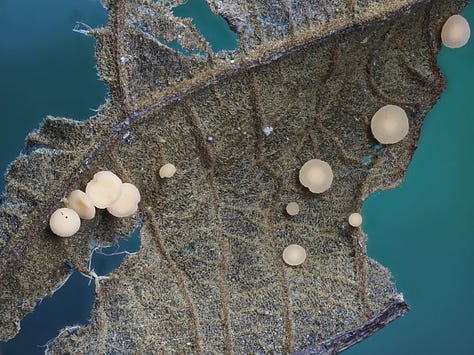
pixel 64 222
pixel 79 202
pixel 389 124
pixel 167 171
pixel 292 208
pixel 294 255
pixel 127 204
pixel 104 189
pixel 316 175
pixel 455 32
pixel 355 219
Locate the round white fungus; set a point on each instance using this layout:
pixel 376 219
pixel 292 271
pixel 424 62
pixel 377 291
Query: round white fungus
pixel 389 124
pixel 64 222
pixel 292 208
pixel 294 255
pixel 355 219
pixel 167 170
pixel 104 189
pixel 127 204
pixel 316 175
pixel 455 32
pixel 79 202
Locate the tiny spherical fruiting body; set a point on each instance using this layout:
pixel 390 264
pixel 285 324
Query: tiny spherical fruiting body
pixel 389 124
pixel 127 204
pixel 167 171
pixel 292 208
pixel 64 222
pixel 316 175
pixel 455 32
pixel 355 219
pixel 80 202
pixel 104 189
pixel 294 255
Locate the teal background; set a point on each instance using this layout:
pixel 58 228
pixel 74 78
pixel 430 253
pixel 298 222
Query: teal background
pixel 423 231
pixel 45 67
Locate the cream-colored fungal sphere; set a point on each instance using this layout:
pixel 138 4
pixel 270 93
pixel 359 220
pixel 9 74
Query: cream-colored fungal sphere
pixel 79 202
pixel 316 175
pixel 294 255
pixel 64 222
pixel 455 32
pixel 390 124
pixel 355 219
pixel 167 171
pixel 292 208
pixel 127 204
pixel 104 189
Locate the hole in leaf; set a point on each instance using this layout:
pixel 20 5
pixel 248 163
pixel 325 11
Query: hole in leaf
pixel 71 304
pixel 212 27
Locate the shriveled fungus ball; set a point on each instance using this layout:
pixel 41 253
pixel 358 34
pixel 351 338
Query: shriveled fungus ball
pixel 316 175
pixel 389 124
pixel 355 219
pixel 167 171
pixel 292 208
pixel 79 202
pixel 64 222
pixel 127 204
pixel 104 189
pixel 455 32
pixel 294 255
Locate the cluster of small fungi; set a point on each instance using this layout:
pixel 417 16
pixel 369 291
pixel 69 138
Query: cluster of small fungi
pixel 389 125
pixel 105 191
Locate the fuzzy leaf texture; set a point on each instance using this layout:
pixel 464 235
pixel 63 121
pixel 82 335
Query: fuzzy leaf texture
pixel 316 71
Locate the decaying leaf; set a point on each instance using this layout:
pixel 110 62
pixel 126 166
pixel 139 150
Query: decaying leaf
pixel 304 84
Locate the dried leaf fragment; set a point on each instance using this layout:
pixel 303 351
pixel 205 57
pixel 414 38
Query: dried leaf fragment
pixel 210 265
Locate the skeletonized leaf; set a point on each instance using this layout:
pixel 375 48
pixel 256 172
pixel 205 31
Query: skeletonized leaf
pixel 209 277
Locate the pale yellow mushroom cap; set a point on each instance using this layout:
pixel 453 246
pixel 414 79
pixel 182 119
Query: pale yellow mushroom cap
pixel 79 202
pixel 316 175
pixel 389 124
pixel 167 171
pixel 104 189
pixel 294 255
pixel 455 32
pixel 64 222
pixel 292 208
pixel 355 219
pixel 127 204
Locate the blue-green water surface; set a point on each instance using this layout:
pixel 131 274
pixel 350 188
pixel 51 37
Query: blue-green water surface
pixel 423 231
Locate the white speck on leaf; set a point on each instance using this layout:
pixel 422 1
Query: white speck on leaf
pixel 267 130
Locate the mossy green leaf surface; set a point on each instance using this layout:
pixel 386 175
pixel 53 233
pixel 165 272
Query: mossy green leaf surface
pixel 209 277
